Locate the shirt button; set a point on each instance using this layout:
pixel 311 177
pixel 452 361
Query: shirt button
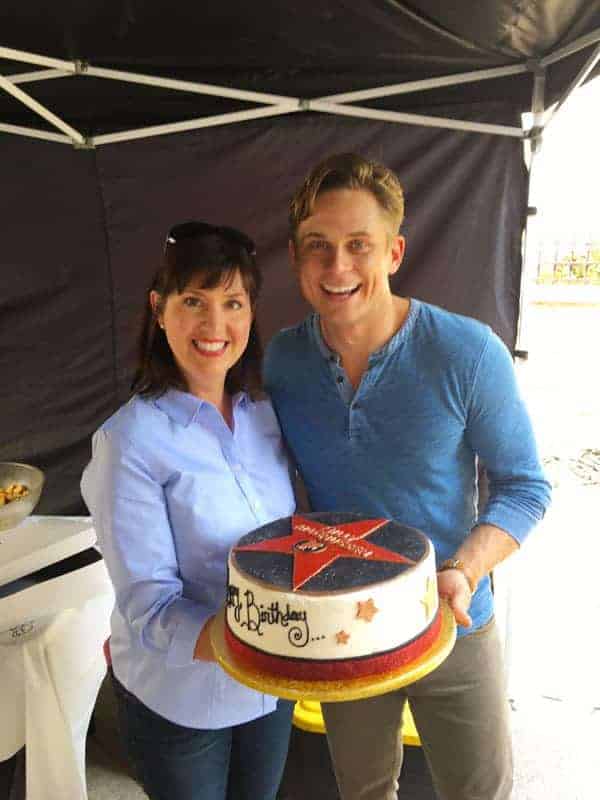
pixel 237 467
pixel 256 505
pixel 340 379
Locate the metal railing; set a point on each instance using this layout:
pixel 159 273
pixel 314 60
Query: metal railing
pixel 569 261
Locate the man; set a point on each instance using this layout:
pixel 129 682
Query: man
pixel 387 404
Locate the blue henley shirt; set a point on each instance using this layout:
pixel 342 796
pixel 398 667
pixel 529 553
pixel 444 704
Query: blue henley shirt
pixel 440 394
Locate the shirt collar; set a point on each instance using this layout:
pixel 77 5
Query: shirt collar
pixel 184 408
pixel 389 347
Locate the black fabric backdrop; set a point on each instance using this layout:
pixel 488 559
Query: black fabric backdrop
pixel 83 231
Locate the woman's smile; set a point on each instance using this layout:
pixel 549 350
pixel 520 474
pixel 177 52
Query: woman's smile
pixel 210 347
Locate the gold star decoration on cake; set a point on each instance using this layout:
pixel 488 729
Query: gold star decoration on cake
pixel 366 610
pixel 429 601
pixel 342 637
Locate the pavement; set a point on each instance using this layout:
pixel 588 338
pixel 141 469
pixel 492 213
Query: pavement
pixel 549 603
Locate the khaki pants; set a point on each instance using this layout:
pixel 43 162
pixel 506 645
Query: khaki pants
pixel 461 713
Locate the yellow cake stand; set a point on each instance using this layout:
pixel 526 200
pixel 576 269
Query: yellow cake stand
pixel 335 691
pixel 308 717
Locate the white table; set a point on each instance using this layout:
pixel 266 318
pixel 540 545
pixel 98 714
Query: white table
pixel 54 619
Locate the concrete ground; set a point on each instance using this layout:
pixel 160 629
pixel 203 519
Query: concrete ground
pixel 547 597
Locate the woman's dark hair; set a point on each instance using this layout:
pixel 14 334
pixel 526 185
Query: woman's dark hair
pixel 213 254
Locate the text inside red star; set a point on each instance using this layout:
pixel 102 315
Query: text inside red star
pixel 315 545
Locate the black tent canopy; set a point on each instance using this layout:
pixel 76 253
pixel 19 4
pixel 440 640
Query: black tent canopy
pixel 378 60
pixel 216 111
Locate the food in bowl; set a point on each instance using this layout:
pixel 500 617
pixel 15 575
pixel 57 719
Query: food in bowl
pixel 20 488
pixel 14 491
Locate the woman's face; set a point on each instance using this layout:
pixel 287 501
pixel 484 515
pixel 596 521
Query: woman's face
pixel 207 331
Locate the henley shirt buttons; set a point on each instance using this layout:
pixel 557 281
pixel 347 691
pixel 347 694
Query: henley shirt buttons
pixel 340 379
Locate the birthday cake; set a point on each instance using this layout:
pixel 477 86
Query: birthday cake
pixel 331 596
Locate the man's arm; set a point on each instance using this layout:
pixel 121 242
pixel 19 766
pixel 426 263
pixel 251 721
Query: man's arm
pixel 484 548
pixel 500 432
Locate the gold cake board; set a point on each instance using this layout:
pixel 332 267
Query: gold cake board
pixel 335 691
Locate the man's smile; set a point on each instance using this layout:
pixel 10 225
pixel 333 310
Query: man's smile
pixel 341 291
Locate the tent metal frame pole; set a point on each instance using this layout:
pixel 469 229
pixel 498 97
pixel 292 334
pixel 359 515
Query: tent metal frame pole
pixel 38 75
pixel 271 111
pixel 575 84
pixel 41 110
pixel 194 124
pixel 33 133
pixel 535 143
pixel 574 47
pixel 424 85
pixel 538 111
pixel 84 69
pixel 187 86
pixel 277 104
pixel 528 251
pixel 415 119
pixel 34 58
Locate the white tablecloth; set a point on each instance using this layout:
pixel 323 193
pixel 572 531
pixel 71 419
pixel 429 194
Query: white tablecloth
pixel 49 682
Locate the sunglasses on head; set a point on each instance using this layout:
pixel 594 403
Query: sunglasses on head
pixel 196 230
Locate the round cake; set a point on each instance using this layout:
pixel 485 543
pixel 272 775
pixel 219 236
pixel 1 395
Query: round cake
pixel 331 596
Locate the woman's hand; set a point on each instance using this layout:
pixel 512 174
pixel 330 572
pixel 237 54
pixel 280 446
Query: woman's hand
pixel 203 651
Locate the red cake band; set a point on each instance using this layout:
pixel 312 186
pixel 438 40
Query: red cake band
pixel 333 670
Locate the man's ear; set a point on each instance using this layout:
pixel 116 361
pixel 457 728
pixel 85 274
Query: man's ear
pixel 398 248
pixel 292 255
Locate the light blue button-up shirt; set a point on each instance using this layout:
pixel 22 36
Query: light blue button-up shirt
pixel 171 488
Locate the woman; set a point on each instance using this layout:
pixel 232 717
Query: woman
pixel 192 462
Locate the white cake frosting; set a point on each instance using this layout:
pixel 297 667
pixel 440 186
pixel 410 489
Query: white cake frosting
pixel 335 624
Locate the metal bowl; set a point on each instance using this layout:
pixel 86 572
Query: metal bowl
pixel 33 478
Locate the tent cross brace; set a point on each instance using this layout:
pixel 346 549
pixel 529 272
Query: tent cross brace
pixel 274 105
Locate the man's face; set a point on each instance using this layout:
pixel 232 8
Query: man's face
pixel 344 254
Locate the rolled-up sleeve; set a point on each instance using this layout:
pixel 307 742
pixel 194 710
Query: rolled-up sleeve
pixel 499 430
pixel 129 511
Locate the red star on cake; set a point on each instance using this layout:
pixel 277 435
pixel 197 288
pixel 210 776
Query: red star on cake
pixel 315 546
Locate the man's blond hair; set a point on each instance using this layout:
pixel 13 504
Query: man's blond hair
pixel 348 171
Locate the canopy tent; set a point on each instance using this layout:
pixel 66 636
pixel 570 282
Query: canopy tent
pixel 148 94
pixel 281 58
pixel 324 56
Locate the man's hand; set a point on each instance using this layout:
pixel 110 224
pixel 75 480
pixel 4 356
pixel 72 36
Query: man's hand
pixel 203 651
pixel 454 587
pixel 484 547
